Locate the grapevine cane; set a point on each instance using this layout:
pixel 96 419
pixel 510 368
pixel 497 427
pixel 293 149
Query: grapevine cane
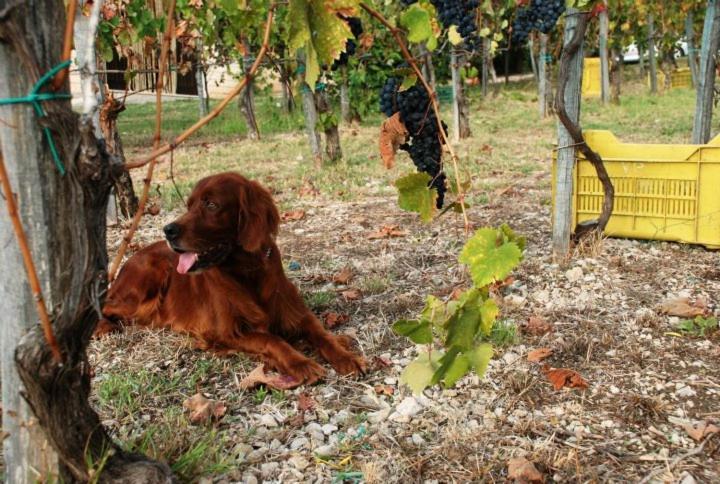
pixel 159 86
pixel 28 261
pixel 151 158
pixel 433 99
pixel 182 137
pixel 59 79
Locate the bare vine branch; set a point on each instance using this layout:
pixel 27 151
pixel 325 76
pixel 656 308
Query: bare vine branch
pixel 182 137
pixel 60 77
pixel 159 86
pixel 574 130
pixel 397 34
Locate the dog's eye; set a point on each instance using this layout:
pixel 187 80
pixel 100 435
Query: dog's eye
pixel 211 205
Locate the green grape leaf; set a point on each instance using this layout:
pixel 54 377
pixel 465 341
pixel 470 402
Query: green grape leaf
pixel 434 312
pixel 431 43
pixel 445 363
pixel 488 314
pixel 458 369
pixel 462 327
pixel 418 374
pixel 419 332
pixel 479 358
pixel 416 196
pixel 488 258
pixel 417 21
pixel 511 236
pixel 454 36
pixel 409 81
pixel 315 28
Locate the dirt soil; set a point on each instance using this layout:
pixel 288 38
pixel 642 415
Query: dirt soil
pixel 647 380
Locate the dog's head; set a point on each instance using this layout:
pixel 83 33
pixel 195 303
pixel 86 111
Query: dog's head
pixel 224 212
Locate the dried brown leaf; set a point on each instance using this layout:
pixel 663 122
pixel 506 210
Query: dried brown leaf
pixel 563 377
pixel 308 189
pixel 537 326
pixel 306 402
pixel 344 276
pixel 522 470
pixel 292 215
pixel 259 377
pixel 378 363
pixel 333 319
pixel 700 430
pixel 352 294
pixel 392 135
pixel 384 390
pixel 536 356
pixel 682 307
pixel 203 409
pixel 387 231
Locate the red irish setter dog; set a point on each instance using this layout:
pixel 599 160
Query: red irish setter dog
pixel 219 277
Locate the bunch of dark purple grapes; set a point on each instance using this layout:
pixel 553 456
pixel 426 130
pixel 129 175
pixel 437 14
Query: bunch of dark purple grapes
pixel 462 14
pixel 357 30
pixel 540 15
pixel 418 116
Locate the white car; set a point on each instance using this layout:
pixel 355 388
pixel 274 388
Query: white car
pixel 631 54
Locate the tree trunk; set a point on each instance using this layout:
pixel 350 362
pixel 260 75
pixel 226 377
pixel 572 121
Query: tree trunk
pixel 345 112
pixel 562 215
pixel 651 53
pixel 543 78
pixel 64 217
pixel 485 73
pixel 706 84
pixel 122 183
pixel 507 66
pixel 104 120
pixel 567 106
pixel 202 88
pixel 641 56
pixel 691 53
pixel 333 151
pixel 604 61
pixel 310 114
pixel 533 64
pixel 429 67
pixel 616 75
pixel 461 121
pixel 247 99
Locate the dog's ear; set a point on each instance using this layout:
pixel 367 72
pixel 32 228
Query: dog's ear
pixel 258 216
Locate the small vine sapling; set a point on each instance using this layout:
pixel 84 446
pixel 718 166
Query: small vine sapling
pixel 457 332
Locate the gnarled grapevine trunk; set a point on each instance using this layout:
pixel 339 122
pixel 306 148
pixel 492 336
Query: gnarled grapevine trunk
pixel 122 182
pixel 332 134
pixel 616 75
pixel 571 64
pixel 461 119
pixel 65 220
pixel 247 99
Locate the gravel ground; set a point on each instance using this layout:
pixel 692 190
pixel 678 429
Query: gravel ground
pixel 647 381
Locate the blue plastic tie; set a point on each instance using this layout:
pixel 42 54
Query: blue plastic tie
pixel 35 98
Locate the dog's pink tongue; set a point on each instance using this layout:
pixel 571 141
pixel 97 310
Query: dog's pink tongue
pixel 187 259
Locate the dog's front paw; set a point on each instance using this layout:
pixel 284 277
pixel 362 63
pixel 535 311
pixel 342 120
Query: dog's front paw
pixel 306 371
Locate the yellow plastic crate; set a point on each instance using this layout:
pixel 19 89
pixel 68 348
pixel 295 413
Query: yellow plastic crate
pixel 591 80
pixel 678 78
pixel 662 192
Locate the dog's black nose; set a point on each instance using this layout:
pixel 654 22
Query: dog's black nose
pixel 172 231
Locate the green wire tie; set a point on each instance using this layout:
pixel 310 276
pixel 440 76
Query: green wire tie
pixel 35 98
